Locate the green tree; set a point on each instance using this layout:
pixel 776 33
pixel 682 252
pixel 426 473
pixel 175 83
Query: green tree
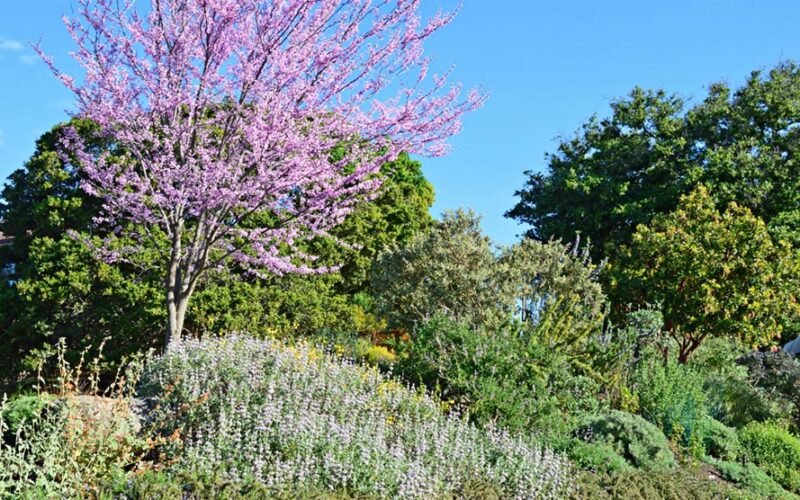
pixel 714 274
pixel 53 287
pixel 537 276
pixel 448 270
pixel 619 172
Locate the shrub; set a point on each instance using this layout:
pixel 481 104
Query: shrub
pixel 378 355
pixel 720 441
pixel 454 269
pixel 751 478
pixel 647 485
pixel 71 445
pixel 538 275
pixel 778 375
pixel 732 398
pixel 189 485
pixel 294 416
pixel 23 408
pixel 775 450
pixel 633 438
pixel 505 376
pixel 449 269
pixel 598 457
pixel 671 396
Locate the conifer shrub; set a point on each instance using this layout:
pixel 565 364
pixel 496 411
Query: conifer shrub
pixel 720 441
pixel 633 438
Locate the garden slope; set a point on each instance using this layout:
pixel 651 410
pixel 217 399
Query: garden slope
pixel 288 416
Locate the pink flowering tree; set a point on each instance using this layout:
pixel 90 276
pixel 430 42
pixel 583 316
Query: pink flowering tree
pixel 223 111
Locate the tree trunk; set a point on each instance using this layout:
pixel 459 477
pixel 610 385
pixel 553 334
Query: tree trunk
pixel 176 315
pixel 176 307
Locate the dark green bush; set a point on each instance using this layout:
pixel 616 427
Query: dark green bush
pixel 751 478
pixel 720 441
pixel 778 375
pixel 732 396
pixel 775 450
pixel 636 440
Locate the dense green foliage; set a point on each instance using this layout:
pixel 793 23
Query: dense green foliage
pixel 55 288
pixel 774 450
pixel 671 396
pixel 538 276
pixel 713 274
pixel 776 375
pixel 598 457
pixel 720 441
pixel 646 485
pixel 449 269
pixel 454 269
pixel 619 172
pixel 639 442
pixel 508 376
pixel 751 478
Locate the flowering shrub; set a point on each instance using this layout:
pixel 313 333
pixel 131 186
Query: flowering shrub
pixel 71 442
pixel 293 416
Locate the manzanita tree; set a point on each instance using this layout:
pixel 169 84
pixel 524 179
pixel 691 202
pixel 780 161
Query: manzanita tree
pixel 244 127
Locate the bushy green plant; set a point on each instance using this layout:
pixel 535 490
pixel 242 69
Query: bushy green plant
pixel 774 450
pixel 189 485
pixel 503 375
pixel 720 441
pixel 537 275
pixel 636 440
pixel 23 408
pixel 751 478
pixel 449 269
pixel 68 445
pixel 671 396
pixel 454 270
pixel 732 397
pixel 599 457
pixel 616 353
pixel 294 416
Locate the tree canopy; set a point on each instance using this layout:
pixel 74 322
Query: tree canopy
pixel 714 274
pixel 619 172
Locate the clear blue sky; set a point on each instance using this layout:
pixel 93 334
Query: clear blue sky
pixel 549 65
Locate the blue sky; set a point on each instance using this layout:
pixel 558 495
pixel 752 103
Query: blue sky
pixel 548 65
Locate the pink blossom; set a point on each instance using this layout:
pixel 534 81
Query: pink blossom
pixel 224 109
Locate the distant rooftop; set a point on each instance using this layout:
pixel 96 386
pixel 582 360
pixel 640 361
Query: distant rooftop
pixel 5 240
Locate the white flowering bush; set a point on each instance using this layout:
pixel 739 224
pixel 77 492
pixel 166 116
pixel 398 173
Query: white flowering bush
pixel 293 416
